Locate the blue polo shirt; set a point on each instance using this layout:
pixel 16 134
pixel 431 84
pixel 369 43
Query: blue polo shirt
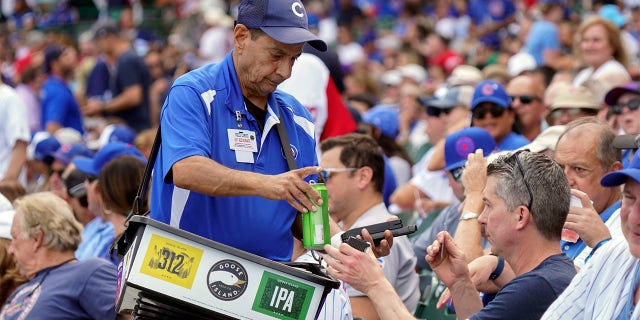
pixel 512 141
pixel 572 250
pixel 59 105
pixel 200 108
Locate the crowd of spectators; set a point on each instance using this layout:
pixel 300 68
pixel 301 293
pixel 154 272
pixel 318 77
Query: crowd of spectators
pixel 81 100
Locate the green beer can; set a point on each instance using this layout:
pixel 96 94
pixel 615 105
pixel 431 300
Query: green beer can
pixel 315 225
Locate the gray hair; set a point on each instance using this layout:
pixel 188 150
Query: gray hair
pixel 46 212
pixel 545 179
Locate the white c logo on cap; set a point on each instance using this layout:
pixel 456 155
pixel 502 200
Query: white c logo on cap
pixel 295 6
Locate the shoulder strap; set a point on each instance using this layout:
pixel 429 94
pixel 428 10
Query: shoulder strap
pixel 142 194
pixel 284 141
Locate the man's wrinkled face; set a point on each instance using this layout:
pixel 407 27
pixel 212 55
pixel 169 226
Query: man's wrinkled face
pixel 264 63
pixel 630 216
pixel 22 248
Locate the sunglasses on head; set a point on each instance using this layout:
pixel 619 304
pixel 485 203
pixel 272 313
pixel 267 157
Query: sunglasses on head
pixel 437 112
pixel 525 98
pixel 457 173
pixel 633 105
pixel 495 110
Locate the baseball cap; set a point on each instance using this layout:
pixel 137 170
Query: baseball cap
pixel 75 183
pixel 51 54
pixel 521 62
pixel 574 97
pixel 611 98
pixel 113 133
pixel 612 13
pixel 460 144
pixel 105 29
pixel 109 152
pixel 68 151
pixel 626 141
pixel 455 96
pixel 283 20
pixel 45 148
pixel 619 177
pixel 384 118
pixel 547 139
pixel 490 91
pixel 414 72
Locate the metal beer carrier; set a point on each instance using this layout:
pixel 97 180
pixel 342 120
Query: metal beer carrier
pixel 168 273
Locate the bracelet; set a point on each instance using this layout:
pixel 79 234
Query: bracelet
pixel 498 270
pixel 468 215
pixel 602 242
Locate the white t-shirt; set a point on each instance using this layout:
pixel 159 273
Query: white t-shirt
pixel 14 126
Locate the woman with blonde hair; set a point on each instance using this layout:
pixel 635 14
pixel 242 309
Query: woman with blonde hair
pixel 601 49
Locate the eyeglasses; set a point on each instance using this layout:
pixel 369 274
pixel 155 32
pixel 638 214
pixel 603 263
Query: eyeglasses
pixel 633 105
pixel 525 98
pixel 457 173
pixel 495 110
pixel 516 156
pixel 59 172
pixel 325 174
pixel 437 112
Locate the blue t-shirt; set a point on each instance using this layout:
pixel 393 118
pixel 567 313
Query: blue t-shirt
pixel 529 295
pixel 200 110
pixel 98 81
pixel 483 12
pixel 512 141
pixel 74 290
pixel 131 70
pixel 97 237
pixel 59 105
pixel 542 36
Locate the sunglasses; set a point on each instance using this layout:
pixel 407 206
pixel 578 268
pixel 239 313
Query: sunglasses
pixel 457 173
pixel 558 113
pixel 524 179
pixel 525 98
pixel 58 172
pixel 633 105
pixel 325 174
pixel 495 110
pixel 437 112
pixel 91 178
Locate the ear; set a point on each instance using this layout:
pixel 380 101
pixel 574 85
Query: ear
pixel 524 218
pixel 615 166
pixel 365 175
pixel 39 239
pixel 240 35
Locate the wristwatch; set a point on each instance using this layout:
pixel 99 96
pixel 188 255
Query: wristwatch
pixel 469 215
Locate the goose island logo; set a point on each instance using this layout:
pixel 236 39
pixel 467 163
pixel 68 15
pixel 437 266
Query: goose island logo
pixel 227 280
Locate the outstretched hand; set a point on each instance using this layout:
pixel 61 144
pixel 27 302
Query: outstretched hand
pixel 291 187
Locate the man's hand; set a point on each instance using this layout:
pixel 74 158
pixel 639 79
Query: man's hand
pixel 359 269
pixel 94 107
pixel 586 221
pixel 291 187
pixel 474 176
pixel 449 264
pixel 384 247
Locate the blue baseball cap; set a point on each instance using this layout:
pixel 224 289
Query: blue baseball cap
pixel 109 152
pixel 490 91
pixel 384 118
pixel 45 148
pixel 68 151
pixel 283 20
pixel 619 177
pixel 460 144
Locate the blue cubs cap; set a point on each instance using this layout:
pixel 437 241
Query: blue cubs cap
pixel 460 144
pixel 109 152
pixel 384 118
pixel 45 149
pixel 619 177
pixel 283 20
pixel 490 91
pixel 68 151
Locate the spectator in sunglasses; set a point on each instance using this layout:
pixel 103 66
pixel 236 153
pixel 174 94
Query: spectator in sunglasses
pixel 571 104
pixel 526 101
pixel 624 103
pixel 491 110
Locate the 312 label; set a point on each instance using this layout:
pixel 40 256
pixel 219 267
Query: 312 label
pixel 172 261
